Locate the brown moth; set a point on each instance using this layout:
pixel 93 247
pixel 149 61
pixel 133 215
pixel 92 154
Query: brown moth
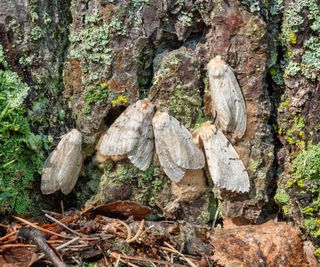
pixel 226 168
pixel 226 97
pixel 62 168
pixel 131 134
pixel 175 148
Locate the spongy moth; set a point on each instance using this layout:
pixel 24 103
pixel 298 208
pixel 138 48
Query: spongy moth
pixel 175 148
pixel 61 170
pixel 131 134
pixel 226 97
pixel 226 168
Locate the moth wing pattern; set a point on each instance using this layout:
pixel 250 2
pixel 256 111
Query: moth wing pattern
pixel 123 134
pixel 175 147
pixel 227 98
pixel 62 169
pixel 49 184
pixel 132 134
pixel 142 154
pixel 172 170
pixel 226 168
pixel 70 169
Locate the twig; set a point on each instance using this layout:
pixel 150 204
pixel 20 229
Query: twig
pixel 40 228
pixel 62 246
pixel 63 225
pixel 128 229
pixel 36 237
pixel 8 235
pixel 118 260
pixel 17 246
pixel 146 230
pixel 185 258
pixel 62 208
pixel 52 213
pixel 138 233
pixel 129 263
pixel 115 255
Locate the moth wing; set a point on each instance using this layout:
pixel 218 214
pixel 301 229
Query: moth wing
pixel 227 98
pixel 141 155
pixel 123 134
pixel 226 168
pixel 172 170
pixel 237 103
pixel 49 181
pixel 175 148
pixel 61 170
pixel 70 167
pixel 180 144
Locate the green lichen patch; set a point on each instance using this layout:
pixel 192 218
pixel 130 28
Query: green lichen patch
pixel 283 200
pixel 303 189
pixel 21 152
pixel 297 16
pixel 178 82
pixel 292 131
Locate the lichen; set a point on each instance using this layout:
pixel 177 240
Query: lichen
pixel 302 188
pixel 145 186
pixel 182 105
pixel 283 200
pixel 296 14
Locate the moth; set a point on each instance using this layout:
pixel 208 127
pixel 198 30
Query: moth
pixel 175 148
pixel 62 168
pixel 226 168
pixel 226 97
pixel 131 134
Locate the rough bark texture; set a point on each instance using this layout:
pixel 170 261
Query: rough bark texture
pixel 85 61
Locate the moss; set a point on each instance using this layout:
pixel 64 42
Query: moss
pixel 312 225
pixel 303 189
pixel 253 165
pixel 95 94
pixel 124 177
pixel 283 200
pixel 307 164
pixel 204 217
pixel 21 152
pixel 182 105
pixel 293 134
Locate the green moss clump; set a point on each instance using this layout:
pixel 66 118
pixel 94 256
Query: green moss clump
pixel 307 164
pixel 21 150
pixel 283 200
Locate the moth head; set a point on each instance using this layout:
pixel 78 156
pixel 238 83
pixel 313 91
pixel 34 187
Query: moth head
pixel 217 67
pixel 207 130
pixel 160 119
pixel 146 105
pixel 74 137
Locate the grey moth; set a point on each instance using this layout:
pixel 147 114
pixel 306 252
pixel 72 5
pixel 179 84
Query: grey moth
pixel 226 168
pixel 131 134
pixel 226 97
pixel 175 148
pixel 62 168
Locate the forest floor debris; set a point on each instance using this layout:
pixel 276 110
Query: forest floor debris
pixel 127 238
pixel 81 238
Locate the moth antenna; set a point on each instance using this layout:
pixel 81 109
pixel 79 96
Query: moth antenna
pixel 155 95
pixel 215 117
